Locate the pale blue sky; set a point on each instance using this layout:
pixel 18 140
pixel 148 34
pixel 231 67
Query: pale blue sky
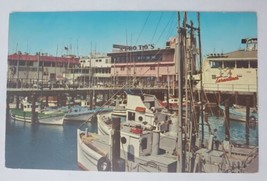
pixel 50 32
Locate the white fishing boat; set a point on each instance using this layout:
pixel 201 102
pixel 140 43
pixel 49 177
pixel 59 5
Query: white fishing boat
pixel 83 113
pixel 143 110
pixel 238 113
pixel 139 151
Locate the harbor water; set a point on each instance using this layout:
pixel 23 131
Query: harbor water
pixel 30 146
pixel 35 146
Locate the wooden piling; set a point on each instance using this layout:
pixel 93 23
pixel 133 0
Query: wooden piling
pixel 115 137
pixel 7 105
pixel 247 119
pixel 46 101
pixel 227 121
pixel 34 113
pixel 17 102
pixel 91 99
pixel 236 98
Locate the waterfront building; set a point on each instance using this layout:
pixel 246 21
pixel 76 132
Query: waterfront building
pixel 24 70
pixel 233 74
pixel 99 69
pixel 143 64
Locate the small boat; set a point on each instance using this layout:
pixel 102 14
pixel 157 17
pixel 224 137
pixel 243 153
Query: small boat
pixel 25 116
pixel 139 151
pixel 42 117
pixel 83 113
pixel 238 113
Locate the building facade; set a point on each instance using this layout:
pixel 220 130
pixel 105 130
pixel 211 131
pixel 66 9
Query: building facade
pixel 99 70
pixel 24 70
pixel 144 67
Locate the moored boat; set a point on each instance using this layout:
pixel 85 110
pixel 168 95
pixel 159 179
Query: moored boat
pixel 144 110
pixel 51 117
pixel 139 151
pixel 82 113
pixel 238 113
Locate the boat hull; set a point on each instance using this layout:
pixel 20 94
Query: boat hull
pixel 239 114
pixel 48 119
pixel 89 157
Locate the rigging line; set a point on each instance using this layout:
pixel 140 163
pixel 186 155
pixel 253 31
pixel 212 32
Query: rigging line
pixel 142 28
pixel 164 29
pixel 171 27
pixel 161 15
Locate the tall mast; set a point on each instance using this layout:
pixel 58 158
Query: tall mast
pixel 201 84
pixel 180 68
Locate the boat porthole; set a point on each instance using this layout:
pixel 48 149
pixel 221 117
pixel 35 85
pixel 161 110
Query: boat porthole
pixel 123 140
pixel 140 118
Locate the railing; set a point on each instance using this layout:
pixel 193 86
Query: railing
pixel 231 87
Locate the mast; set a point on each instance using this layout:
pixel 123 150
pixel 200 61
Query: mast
pixel 201 85
pixel 180 68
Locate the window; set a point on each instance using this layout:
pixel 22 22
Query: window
pixel 242 64
pixel 21 63
pixel 131 116
pixel 229 64
pixel 253 64
pixel 215 64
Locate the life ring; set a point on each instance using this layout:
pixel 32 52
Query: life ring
pixel 103 164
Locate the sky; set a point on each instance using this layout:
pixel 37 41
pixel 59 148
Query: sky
pixel 83 32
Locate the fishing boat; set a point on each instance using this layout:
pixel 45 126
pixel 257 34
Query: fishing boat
pixel 42 117
pixel 139 151
pixel 238 113
pixel 78 113
pixel 144 110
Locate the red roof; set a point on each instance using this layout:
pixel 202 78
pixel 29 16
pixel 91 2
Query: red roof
pixel 43 58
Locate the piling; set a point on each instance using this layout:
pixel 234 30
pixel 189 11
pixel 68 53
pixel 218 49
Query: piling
pixel 46 101
pixel 34 113
pixel 247 120
pixel 7 105
pixel 236 98
pixel 17 102
pixel 91 100
pixel 227 121
pixel 115 138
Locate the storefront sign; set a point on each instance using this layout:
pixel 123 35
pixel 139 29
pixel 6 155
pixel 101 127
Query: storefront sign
pixel 225 77
pixel 134 48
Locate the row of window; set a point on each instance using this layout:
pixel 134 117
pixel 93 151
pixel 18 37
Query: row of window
pixel 45 64
pixel 129 68
pixel 86 71
pixel 97 60
pixel 138 58
pixel 233 64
